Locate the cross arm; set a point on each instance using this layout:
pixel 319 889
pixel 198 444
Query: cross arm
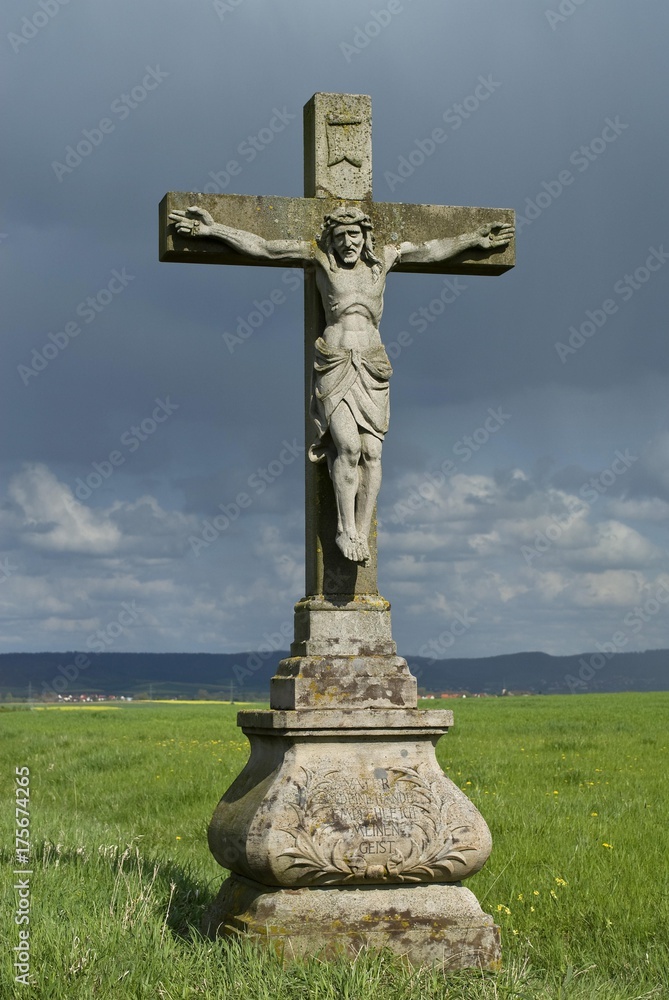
pixel 422 232
pixel 239 229
pixel 448 239
pixel 486 237
pixel 198 223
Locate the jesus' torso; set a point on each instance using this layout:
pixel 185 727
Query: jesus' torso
pixel 353 302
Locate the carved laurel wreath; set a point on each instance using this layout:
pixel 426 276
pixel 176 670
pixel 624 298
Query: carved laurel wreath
pixel 430 855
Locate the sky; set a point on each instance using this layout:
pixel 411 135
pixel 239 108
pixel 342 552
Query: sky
pixel 525 499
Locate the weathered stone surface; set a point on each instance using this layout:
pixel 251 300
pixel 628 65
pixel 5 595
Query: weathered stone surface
pixel 338 146
pixel 437 925
pixel 321 682
pixel 328 800
pixel 357 627
pixel 352 721
pixel 277 218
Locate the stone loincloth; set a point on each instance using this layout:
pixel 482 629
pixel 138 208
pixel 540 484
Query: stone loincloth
pixel 356 379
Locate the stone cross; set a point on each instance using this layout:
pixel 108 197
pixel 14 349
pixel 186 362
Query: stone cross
pixel 338 169
pixel 342 830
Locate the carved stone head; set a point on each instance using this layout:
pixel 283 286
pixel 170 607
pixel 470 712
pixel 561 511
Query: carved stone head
pixel 347 237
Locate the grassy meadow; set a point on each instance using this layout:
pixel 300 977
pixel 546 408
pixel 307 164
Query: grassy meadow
pixel 574 790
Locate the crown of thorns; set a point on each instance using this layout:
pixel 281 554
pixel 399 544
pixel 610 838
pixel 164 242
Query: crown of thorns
pixel 347 217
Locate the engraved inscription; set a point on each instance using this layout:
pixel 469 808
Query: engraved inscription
pixel 391 826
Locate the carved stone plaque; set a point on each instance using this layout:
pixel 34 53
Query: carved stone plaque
pixel 392 824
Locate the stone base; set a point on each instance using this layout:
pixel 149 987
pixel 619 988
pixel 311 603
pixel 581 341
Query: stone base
pixel 427 925
pixel 348 797
pixel 341 682
pixel 343 832
pixel 356 627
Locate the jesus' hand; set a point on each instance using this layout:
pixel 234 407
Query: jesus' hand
pixel 493 235
pixel 186 225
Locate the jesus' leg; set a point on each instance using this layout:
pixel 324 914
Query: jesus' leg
pixel 345 480
pixel 369 485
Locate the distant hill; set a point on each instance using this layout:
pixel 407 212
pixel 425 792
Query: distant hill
pixel 540 673
pixel 246 675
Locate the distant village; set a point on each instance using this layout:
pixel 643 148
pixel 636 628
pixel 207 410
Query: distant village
pixel 89 698
pixel 81 699
pixel 223 696
pixel 478 694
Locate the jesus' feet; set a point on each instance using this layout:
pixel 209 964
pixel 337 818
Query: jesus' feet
pixel 353 547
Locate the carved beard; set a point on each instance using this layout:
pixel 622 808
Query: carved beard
pixel 367 254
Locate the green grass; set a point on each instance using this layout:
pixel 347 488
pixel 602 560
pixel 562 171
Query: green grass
pixel 573 788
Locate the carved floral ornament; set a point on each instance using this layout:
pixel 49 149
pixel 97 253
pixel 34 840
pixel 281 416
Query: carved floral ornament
pixel 329 845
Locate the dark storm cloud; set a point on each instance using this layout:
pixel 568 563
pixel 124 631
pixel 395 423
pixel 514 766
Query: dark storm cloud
pixel 474 103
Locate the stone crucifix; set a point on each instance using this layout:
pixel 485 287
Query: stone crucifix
pixel 348 244
pixel 342 820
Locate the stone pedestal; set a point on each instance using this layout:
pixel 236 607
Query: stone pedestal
pixel 343 656
pixel 342 830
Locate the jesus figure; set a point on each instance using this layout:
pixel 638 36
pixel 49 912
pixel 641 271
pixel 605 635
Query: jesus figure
pixel 350 392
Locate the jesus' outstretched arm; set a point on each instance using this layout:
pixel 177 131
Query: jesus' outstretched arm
pixel 197 221
pixel 489 237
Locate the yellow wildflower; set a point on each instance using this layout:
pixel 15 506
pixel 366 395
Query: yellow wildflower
pixel 560 881
pixel 610 846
